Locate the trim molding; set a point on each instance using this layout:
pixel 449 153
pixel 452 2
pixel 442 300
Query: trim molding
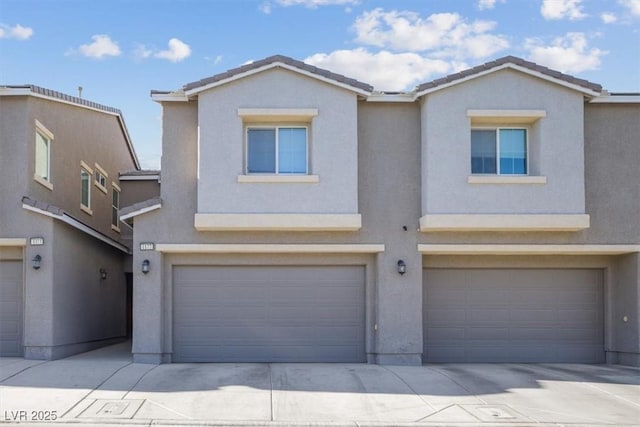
pixel 277 222
pixel 12 242
pixel 500 222
pixel 268 248
pixel 140 212
pixel 277 113
pixel 79 226
pixel 278 179
pixel 505 179
pixel 616 99
pixel 470 249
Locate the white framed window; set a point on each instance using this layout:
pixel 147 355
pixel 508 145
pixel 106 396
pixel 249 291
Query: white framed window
pixel 279 150
pixel 43 139
pixel 499 151
pixel 101 178
pixel 115 206
pixel 85 188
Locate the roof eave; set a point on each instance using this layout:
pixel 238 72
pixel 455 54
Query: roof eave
pixel 584 90
pixel 277 64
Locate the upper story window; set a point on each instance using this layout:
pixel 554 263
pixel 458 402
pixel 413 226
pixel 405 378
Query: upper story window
pixel 277 150
pixel 499 151
pixel 101 178
pixel 43 156
pixel 115 206
pixel 85 188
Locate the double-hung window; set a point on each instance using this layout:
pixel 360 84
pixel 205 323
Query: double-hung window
pixel 85 188
pixel 499 151
pixel 115 205
pixel 277 150
pixel 43 155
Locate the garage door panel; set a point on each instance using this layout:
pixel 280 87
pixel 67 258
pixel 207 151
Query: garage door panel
pixel 525 315
pixel 269 314
pixel 11 308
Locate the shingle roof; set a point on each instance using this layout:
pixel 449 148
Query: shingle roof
pixel 284 60
pixel 510 60
pixel 47 207
pixel 64 97
pixel 140 205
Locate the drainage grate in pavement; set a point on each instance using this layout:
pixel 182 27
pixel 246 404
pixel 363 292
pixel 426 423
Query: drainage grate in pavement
pixel 494 413
pixel 102 408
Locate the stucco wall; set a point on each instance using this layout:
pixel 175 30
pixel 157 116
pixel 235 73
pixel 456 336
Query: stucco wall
pixel 556 147
pixel 79 135
pixel 332 147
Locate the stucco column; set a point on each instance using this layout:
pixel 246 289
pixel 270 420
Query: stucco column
pixel 624 318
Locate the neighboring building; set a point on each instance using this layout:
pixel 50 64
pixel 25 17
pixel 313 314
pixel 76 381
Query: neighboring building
pixel 489 216
pixel 63 250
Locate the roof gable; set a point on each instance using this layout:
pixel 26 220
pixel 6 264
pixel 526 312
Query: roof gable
pixel 514 63
pixel 276 61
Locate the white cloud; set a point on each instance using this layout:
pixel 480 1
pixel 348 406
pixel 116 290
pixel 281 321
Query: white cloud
pixel 102 46
pixel 561 9
pixel 632 5
pixel 17 32
pixel 178 51
pixel 313 4
pixel 384 70
pixel 568 54
pixel 608 17
pixel 265 8
pixel 488 4
pixel 142 52
pixel 449 34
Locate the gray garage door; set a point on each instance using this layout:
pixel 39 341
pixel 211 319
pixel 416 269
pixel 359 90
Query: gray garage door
pixel 10 308
pixel 513 316
pixel 268 314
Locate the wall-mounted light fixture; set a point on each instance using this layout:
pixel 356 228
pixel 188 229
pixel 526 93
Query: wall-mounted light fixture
pixel 103 274
pixel 36 262
pixel 402 267
pixel 145 266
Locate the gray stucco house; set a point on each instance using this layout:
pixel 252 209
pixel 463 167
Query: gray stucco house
pixel 64 253
pixel 487 216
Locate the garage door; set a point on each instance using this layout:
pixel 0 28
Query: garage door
pixel 268 314
pixel 513 316
pixel 10 308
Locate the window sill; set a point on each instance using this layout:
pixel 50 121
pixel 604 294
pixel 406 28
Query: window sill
pixel 43 182
pixel 101 188
pixel 114 228
pixel 278 179
pixel 86 210
pixel 503 179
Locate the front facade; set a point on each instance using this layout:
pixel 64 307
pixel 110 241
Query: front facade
pixel 63 251
pixel 488 216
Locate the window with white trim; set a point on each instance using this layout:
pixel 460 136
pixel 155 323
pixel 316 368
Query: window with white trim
pixel 277 150
pixel 101 178
pixel 499 151
pixel 85 188
pixel 43 153
pixel 115 206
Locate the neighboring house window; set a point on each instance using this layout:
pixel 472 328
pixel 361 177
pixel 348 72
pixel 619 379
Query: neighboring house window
pixel 276 150
pixel 101 178
pixel 85 188
pixel 115 206
pixel 43 155
pixel 501 151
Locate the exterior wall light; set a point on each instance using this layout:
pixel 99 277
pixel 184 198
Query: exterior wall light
pixel 145 266
pixel 36 262
pixel 402 267
pixel 103 274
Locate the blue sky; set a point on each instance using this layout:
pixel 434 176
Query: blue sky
pixel 118 50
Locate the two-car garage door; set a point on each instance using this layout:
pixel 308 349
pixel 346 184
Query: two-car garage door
pixel 269 314
pixel 513 315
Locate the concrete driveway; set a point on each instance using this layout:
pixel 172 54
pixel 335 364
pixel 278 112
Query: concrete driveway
pixel 104 387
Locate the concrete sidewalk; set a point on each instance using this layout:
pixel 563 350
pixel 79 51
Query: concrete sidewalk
pixel 104 387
